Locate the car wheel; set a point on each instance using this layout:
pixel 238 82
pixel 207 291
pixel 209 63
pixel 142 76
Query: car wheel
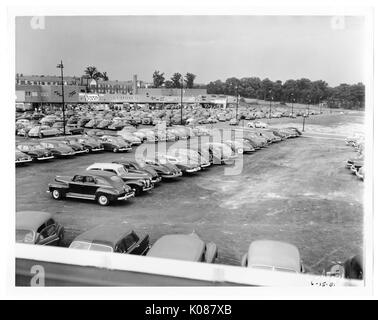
pixel 56 194
pixel 86 150
pixel 115 149
pixel 103 200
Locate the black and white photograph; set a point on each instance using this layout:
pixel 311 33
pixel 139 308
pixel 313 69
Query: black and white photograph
pixel 190 149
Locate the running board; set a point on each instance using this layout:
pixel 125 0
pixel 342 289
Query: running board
pixel 80 196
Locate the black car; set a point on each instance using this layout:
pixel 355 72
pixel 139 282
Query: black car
pixel 101 186
pixel 35 150
pixel 118 238
pixel 58 149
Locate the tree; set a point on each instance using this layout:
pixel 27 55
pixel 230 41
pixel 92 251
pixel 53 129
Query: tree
pixel 104 76
pixel 158 79
pixel 168 84
pixel 92 73
pixel 176 80
pixel 189 79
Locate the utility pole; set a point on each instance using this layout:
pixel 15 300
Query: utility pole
pixel 270 104
pixel 237 102
pixel 182 87
pixel 292 105
pixel 60 66
pixel 304 117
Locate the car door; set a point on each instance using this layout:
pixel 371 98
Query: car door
pixel 90 185
pixel 77 184
pixel 136 245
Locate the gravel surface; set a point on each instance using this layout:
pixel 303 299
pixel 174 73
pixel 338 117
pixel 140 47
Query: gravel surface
pixel 296 191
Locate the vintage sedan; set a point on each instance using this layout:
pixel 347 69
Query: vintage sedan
pixel 188 247
pixel 221 153
pixel 58 149
pixel 70 128
pixel 115 144
pixel 193 156
pixel 74 143
pixel 43 131
pixel 138 181
pixel 165 171
pixel 112 238
pixel 135 167
pixel 273 255
pixel 36 227
pixel 101 186
pixel 35 150
pixel 182 162
pixel 22 158
pixel 239 146
pixel 129 137
pixel 91 143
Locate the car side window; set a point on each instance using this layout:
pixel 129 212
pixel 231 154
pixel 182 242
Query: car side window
pixel 50 222
pixel 78 178
pixel 89 179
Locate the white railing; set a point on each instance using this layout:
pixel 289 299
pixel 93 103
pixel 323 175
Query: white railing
pixel 175 268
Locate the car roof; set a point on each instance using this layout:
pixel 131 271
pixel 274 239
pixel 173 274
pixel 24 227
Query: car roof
pixel 178 246
pixel 99 173
pixel 31 220
pixel 274 254
pixel 105 165
pixel 105 234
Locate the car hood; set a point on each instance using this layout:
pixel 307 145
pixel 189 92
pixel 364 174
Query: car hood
pixel 40 152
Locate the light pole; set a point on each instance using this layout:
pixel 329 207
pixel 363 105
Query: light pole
pixel 182 87
pixel 308 105
pixel 60 66
pixel 320 106
pixel 292 105
pixel 270 103
pixel 237 102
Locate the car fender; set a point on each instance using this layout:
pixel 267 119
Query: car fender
pixel 58 185
pixel 138 183
pixel 103 191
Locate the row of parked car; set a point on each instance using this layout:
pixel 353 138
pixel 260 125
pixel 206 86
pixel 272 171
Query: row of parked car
pixel 356 164
pixel 50 123
pixel 40 228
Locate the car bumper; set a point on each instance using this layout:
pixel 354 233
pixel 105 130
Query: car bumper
pixel 171 176
pixel 45 158
pixel 126 196
pixel 97 149
pixel 205 165
pixel 80 151
pixel 148 188
pixel 124 149
pixel 23 160
pixel 193 170
pixel 157 180
pixel 66 154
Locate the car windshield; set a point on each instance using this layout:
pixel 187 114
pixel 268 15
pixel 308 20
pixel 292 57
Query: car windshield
pixel 24 236
pixel 121 171
pixel 81 245
pixel 36 147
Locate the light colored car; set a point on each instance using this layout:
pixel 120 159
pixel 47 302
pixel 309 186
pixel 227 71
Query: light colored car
pixel 257 124
pixel 192 156
pixel 273 255
pixel 188 247
pixel 43 131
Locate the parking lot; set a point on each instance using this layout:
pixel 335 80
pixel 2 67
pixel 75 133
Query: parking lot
pixel 296 191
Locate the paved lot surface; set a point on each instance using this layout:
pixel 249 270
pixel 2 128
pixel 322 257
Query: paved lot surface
pixel 297 191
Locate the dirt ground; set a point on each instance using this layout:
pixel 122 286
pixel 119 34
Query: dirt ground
pixel 296 191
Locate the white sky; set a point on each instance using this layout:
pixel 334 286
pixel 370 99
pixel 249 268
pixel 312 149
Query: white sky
pixel 212 47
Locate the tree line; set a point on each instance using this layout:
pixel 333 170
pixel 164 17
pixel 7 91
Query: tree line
pixel 91 72
pixel 297 91
pixel 177 80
